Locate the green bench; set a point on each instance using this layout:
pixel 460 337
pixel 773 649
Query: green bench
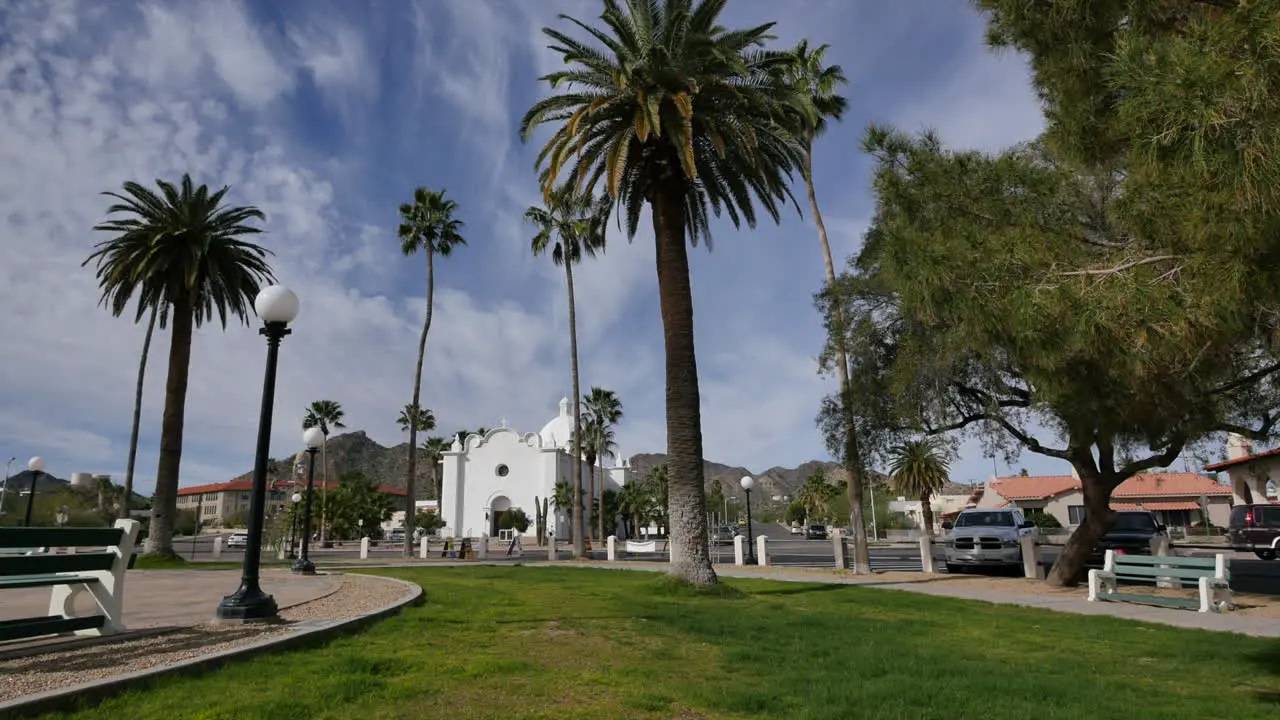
pixel 1210 576
pixel 26 562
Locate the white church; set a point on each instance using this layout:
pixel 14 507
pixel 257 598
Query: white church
pixel 487 475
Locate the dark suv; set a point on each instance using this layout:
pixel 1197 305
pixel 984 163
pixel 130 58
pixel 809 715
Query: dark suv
pixel 1256 529
pixel 1130 534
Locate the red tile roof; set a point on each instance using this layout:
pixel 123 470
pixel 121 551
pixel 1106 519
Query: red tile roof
pixel 1185 505
pixel 1242 460
pixel 1145 485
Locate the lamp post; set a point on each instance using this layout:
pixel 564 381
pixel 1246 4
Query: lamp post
pixel 5 489
pixel 312 438
pixel 36 466
pixel 277 306
pixel 61 518
pixel 293 524
pixel 747 483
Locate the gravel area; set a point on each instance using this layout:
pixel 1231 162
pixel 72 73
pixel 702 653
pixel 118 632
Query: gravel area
pixel 356 595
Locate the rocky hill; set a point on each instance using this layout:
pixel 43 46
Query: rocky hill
pixel 388 466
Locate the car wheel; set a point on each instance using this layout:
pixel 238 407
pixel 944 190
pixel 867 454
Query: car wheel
pixel 954 569
pixel 1266 554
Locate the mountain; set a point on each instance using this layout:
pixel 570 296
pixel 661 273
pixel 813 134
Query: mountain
pixel 357 451
pixel 776 481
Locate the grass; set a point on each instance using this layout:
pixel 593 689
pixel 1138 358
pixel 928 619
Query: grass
pixel 158 562
pixel 559 643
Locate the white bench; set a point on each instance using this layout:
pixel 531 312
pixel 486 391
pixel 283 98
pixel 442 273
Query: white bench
pixel 1210 576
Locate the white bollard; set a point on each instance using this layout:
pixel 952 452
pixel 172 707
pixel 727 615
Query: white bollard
pixel 1160 546
pixel 739 550
pixel 280 551
pixel 217 547
pixel 423 543
pixel 551 547
pixel 482 548
pixel 611 548
pixel 926 553
pixel 364 548
pixel 1031 566
pixel 838 550
pixel 762 551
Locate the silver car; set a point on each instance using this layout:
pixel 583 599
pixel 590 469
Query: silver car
pixel 986 538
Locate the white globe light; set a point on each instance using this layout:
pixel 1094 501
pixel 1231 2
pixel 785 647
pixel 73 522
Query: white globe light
pixel 276 304
pixel 313 437
pixel 747 483
pixel 36 464
pixel 296 497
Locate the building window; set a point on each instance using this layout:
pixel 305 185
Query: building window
pixel 1075 514
pixel 502 470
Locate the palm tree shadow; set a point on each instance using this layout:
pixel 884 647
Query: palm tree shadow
pixel 1268 661
pixel 798 589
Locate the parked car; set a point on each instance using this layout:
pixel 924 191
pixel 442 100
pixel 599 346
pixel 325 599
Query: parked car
pixel 815 532
pixel 1256 529
pixel 1130 534
pixel 238 540
pixel 723 535
pixel 396 536
pixel 986 538
pixel 797 529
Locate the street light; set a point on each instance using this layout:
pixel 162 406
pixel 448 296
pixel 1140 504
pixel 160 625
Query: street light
pixel 4 490
pixel 312 438
pixel 293 524
pixel 747 483
pixel 36 466
pixel 277 306
pixel 62 516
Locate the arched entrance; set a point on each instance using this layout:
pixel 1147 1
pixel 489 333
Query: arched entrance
pixel 498 507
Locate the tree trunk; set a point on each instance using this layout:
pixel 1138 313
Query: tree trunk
pixel 324 492
pixel 600 500
pixel 411 496
pixel 164 506
pixel 126 504
pixel 853 455
pixel 591 496
pixel 1069 570
pixel 577 525
pixel 686 495
pixel 926 513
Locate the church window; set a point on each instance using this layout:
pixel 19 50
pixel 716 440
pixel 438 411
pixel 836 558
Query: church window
pixel 502 470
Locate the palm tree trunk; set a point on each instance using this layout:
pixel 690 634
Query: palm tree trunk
pixel 853 455
pixel 137 415
pixel 686 496
pixel 577 524
pixel 410 497
pixel 926 513
pixel 164 506
pixel 324 492
pixel 600 459
pixel 591 496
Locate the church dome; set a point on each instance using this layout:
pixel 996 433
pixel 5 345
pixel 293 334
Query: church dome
pixel 559 429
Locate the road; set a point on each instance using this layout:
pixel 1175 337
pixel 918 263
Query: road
pixel 1248 574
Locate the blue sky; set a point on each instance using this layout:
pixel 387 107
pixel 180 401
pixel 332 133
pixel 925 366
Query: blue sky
pixel 327 115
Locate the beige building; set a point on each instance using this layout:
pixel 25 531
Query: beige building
pixel 1253 477
pixel 1179 499
pixel 214 503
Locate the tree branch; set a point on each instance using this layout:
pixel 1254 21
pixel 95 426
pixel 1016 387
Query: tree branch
pixel 1170 454
pixel 1121 267
pixel 1262 433
pixel 1246 380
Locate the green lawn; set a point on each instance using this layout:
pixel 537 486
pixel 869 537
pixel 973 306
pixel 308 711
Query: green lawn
pixel 513 642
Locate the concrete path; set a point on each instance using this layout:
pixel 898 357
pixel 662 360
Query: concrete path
pixel 155 598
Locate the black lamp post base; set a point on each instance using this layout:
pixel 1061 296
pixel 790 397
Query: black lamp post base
pixel 247 606
pixel 303 567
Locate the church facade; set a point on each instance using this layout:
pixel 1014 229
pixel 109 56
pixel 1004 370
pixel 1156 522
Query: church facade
pixel 485 476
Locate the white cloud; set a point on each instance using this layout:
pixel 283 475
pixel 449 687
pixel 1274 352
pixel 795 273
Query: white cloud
pixel 199 88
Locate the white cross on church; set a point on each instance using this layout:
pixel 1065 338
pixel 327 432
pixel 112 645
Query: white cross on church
pixel 503 422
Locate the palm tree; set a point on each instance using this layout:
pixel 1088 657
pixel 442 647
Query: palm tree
pixel 919 469
pixel 428 225
pixel 605 410
pixel 326 415
pixel 819 85
pixel 182 250
pixel 435 448
pixel 571 226
pixel 413 420
pixel 137 410
pixel 683 115
pixel 816 495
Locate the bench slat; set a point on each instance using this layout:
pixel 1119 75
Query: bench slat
pixel 29 581
pixel 1150 600
pixel 1193 562
pixel 60 537
pixel 50 625
pixel 46 564
pixel 1152 572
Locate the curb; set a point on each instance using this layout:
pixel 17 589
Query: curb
pixel 308 633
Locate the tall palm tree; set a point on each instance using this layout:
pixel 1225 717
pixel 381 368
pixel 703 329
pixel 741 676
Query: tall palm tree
pixel 435 448
pixel 413 420
pixel 816 494
pixel 919 469
pixel 605 410
pixel 125 505
pixel 819 84
pixel 326 415
pixel 428 225
pixel 673 111
pixel 183 250
pixel 571 226
pixel 585 450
